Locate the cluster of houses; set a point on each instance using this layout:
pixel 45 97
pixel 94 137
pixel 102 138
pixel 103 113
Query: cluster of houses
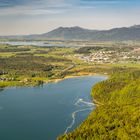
pixel 98 57
pixel 107 57
pixel 6 79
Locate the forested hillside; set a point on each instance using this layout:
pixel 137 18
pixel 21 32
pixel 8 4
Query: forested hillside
pixel 117 115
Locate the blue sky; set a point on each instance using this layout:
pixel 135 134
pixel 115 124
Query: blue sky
pixel 39 16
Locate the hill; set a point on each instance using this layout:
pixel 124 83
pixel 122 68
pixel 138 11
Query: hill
pixel 78 33
pixel 117 114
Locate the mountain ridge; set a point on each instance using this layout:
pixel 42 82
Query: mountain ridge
pixel 79 33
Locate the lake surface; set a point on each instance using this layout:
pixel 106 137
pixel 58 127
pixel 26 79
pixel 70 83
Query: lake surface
pixel 43 113
pixel 34 43
pixel 42 43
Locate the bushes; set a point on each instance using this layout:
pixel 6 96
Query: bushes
pixel 87 50
pixel 24 65
pixel 14 49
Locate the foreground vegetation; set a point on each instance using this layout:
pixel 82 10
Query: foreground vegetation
pixel 117 115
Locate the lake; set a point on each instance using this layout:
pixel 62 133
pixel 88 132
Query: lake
pixel 43 113
pixel 42 43
pixel 33 43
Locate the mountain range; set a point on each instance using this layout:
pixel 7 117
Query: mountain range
pixel 78 33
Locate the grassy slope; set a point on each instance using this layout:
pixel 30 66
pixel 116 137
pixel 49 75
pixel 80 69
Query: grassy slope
pixel 118 113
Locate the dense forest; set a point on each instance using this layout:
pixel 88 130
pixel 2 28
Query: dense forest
pixel 117 115
pixel 87 50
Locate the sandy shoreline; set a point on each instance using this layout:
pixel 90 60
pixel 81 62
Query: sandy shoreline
pixel 73 76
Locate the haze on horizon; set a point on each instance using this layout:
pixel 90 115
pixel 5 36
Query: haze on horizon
pixel 18 17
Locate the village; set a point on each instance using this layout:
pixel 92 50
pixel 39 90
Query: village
pixel 109 57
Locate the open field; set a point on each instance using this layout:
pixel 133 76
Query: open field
pixel 33 65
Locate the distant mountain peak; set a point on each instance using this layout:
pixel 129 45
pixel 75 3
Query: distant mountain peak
pixel 70 28
pixel 135 26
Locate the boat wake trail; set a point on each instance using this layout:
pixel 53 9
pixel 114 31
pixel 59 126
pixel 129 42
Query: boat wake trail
pixel 87 106
pixel 84 102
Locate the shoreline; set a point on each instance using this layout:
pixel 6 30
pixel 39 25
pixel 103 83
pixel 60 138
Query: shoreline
pixel 75 76
pixel 110 105
pixel 95 102
pixel 82 74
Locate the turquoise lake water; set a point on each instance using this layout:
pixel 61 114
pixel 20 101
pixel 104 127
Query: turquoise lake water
pixel 43 113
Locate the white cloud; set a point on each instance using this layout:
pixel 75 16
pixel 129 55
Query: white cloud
pixel 19 10
pixel 43 15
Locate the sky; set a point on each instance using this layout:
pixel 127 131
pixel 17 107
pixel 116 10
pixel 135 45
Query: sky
pixel 20 17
